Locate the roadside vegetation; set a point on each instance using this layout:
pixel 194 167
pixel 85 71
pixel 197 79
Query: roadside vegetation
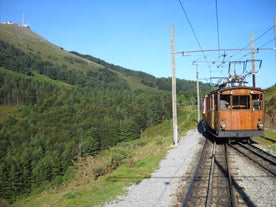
pixel 59 108
pixel 268 140
pixel 95 180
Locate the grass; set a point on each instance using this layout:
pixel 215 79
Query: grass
pixel 140 158
pixel 268 140
pixel 82 191
pixel 134 82
pixel 32 43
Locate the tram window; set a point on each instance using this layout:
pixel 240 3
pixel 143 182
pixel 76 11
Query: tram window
pixel 258 97
pixel 241 102
pixel 224 102
pixel 257 101
pixel 257 105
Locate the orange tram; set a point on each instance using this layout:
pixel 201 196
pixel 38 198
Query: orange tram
pixel 234 111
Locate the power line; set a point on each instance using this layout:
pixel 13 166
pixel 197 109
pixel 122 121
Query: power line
pixel 218 36
pixel 190 24
pixel 257 49
pixel 217 26
pixel 267 42
pixel 245 48
pixel 253 42
pixel 224 49
pixel 264 33
pixel 219 50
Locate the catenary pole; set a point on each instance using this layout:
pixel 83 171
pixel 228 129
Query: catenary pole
pixel 253 62
pixel 174 108
pixel 197 92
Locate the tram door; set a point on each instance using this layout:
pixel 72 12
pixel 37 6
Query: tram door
pixel 241 113
pixel 212 111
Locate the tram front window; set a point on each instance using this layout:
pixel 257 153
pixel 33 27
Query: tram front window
pixel 257 101
pixel 241 102
pixel 224 102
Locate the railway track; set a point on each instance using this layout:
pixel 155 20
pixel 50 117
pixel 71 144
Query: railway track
pixel 258 156
pixel 211 183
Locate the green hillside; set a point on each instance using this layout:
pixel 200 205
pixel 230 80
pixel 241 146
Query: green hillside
pixel 270 109
pixel 33 44
pixel 58 106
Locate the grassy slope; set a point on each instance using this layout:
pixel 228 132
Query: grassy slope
pixel 268 140
pixel 30 42
pixel 270 99
pixel 143 157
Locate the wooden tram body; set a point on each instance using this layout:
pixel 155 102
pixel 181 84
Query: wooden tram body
pixel 234 112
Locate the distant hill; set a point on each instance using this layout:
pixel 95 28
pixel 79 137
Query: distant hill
pixel 36 48
pixel 57 105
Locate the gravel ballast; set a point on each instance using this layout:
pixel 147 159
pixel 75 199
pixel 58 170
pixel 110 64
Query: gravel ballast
pixel 253 185
pixel 161 188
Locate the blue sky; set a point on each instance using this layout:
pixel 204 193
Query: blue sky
pixel 136 34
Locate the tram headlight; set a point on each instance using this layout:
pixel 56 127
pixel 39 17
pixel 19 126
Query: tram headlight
pixel 223 125
pixel 260 125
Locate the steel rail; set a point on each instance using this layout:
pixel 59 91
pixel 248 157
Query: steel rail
pixel 194 175
pixel 258 163
pixel 232 195
pixel 210 184
pixel 262 151
pixel 219 167
pixel 259 154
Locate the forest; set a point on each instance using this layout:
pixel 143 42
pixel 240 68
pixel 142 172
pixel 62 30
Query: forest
pixel 51 114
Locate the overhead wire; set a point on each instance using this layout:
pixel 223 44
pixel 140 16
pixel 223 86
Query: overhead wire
pixel 218 37
pixel 246 48
pixel 217 20
pixel 257 49
pixel 190 24
pixel 266 43
pixel 224 55
pixel 253 42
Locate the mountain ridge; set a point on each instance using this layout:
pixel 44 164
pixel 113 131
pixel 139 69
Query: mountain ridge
pixel 35 45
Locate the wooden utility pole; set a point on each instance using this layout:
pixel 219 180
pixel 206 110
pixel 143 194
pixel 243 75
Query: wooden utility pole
pixel 197 92
pixel 253 62
pixel 174 108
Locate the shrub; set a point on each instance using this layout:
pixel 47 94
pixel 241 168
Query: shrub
pixel 99 171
